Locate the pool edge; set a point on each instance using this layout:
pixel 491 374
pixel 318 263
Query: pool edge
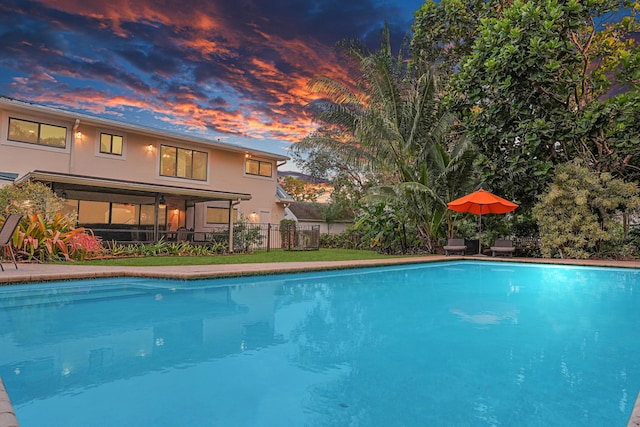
pixel 7 414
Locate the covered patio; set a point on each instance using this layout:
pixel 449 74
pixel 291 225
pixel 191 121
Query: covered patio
pixel 130 211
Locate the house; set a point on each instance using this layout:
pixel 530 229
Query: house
pixel 305 213
pixel 129 182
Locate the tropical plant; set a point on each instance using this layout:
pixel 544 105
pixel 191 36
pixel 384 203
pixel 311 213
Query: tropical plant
pixel 393 126
pixel 42 238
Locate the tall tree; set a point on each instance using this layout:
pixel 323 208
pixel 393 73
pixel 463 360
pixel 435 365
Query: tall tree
pixel 530 85
pixel 445 31
pixel 391 124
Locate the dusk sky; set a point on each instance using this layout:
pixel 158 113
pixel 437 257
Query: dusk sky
pixel 230 69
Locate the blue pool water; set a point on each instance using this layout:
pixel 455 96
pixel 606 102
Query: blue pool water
pixel 443 344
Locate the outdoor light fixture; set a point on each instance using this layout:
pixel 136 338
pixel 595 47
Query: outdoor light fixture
pixel 162 203
pixel 150 147
pixel 78 135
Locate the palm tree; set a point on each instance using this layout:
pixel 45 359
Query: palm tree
pixel 392 124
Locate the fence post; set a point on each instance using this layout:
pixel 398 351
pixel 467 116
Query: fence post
pixel 268 237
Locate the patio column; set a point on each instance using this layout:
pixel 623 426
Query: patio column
pixel 156 211
pixel 230 222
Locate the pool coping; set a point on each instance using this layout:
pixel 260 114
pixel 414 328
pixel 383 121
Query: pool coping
pixel 35 273
pixel 7 414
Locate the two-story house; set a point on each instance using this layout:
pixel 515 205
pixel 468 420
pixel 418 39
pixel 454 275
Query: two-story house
pixel 129 182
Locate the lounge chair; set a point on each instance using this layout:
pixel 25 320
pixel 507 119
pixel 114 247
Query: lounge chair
pixel 6 233
pixel 455 245
pixel 503 247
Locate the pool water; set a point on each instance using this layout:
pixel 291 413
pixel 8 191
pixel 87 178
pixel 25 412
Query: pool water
pixel 439 344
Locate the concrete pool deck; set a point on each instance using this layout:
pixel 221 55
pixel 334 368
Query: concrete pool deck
pixel 30 273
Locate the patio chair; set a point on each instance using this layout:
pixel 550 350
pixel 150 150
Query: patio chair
pixel 182 234
pixel 6 233
pixel 504 247
pixel 455 245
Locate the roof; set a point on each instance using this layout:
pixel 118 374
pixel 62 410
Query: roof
pixel 80 182
pixel 303 177
pixel 306 211
pixel 8 176
pixel 282 194
pixel 143 130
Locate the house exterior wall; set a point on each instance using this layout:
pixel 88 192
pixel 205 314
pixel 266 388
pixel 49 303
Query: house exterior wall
pixel 139 162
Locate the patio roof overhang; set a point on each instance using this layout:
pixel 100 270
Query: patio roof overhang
pixel 134 188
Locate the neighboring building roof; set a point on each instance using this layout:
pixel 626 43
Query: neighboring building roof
pixel 157 133
pixel 302 176
pixel 306 211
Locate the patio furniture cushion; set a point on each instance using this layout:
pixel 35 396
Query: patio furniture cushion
pixel 455 245
pixel 503 247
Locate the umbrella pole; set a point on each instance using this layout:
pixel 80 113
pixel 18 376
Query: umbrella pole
pixel 480 235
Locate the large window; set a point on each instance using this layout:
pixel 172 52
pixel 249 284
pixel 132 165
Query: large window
pixel 183 163
pixel 90 212
pixel 111 144
pixel 220 215
pixel 37 133
pixel 258 167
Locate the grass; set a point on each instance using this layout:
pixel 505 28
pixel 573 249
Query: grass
pixel 256 257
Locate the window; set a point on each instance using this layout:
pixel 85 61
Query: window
pixel 111 144
pixel 258 167
pixel 220 215
pixel 124 213
pixel 90 212
pixel 183 163
pixel 37 133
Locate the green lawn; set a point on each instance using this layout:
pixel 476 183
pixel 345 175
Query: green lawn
pixel 258 256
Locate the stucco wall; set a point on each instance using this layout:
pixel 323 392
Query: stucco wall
pixel 139 161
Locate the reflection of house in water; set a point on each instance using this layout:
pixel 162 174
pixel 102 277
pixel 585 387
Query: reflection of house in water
pixel 126 331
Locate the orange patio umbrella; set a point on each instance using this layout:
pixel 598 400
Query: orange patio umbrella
pixel 482 202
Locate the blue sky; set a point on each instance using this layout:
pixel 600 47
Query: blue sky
pixel 229 69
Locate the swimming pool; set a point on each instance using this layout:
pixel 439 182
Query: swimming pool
pixel 439 344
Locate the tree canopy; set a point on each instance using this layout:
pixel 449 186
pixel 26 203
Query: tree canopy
pixel 540 86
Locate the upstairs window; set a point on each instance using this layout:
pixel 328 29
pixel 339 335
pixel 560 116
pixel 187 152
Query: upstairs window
pixel 37 133
pixel 183 163
pixel 111 144
pixel 258 167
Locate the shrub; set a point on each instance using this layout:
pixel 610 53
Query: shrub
pixel 30 198
pixel 576 216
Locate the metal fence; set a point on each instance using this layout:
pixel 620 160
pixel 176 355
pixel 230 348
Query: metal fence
pixel 248 236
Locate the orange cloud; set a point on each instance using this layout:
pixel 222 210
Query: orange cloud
pixel 193 67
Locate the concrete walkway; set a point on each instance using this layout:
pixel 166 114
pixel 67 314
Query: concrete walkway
pixel 28 273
